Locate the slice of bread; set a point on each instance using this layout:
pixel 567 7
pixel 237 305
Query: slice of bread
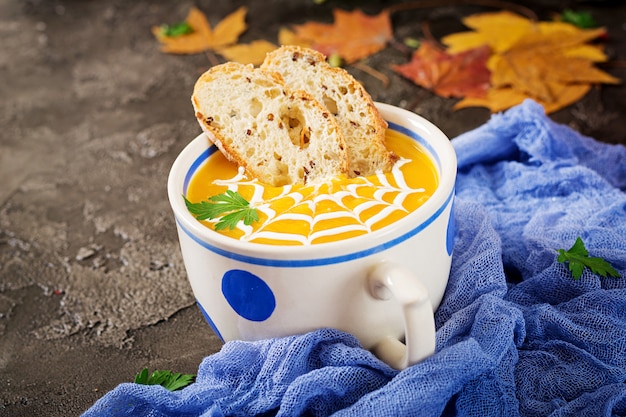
pixel 279 135
pixel 361 124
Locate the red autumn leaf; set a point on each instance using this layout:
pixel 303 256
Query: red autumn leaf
pixel 353 36
pixel 463 74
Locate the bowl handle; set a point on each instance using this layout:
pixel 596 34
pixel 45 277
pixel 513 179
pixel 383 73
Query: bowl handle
pixel 387 280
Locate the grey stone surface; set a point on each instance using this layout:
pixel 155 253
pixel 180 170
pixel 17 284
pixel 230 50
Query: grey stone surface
pixel 92 115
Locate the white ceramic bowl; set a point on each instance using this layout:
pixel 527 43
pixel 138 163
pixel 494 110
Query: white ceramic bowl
pixel 382 287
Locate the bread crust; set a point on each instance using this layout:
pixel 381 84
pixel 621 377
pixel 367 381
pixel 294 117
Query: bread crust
pixel 360 121
pixel 279 135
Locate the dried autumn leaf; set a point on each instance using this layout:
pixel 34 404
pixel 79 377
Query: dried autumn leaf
pixel 449 75
pixel 538 67
pixel 550 62
pixel 499 30
pixel 502 30
pixel 353 35
pixel 591 52
pixel 568 94
pixel 556 26
pixel 547 40
pixel 499 99
pixel 204 38
pixel 250 53
pixel 289 37
pixel 495 100
pixel 559 68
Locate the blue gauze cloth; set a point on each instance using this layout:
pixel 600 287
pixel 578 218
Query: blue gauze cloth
pixel 516 334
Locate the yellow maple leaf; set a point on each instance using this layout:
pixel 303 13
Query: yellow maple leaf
pixel 499 30
pixel 203 38
pixel 500 99
pixel 250 53
pixel 496 100
pixel 550 62
pixel 555 26
pixel 555 40
pixel 289 37
pixel 537 64
pixel 545 77
pixel 593 53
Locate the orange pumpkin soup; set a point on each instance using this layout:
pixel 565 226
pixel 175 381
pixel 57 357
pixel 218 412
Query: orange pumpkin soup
pixel 313 214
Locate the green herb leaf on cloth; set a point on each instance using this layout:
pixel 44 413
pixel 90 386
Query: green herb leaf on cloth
pixel 167 379
pixel 577 257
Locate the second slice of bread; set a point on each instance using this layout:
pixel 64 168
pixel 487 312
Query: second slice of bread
pixel 361 124
pixel 280 136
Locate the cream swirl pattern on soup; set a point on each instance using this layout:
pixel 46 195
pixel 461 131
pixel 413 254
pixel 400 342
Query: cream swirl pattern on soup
pixel 314 214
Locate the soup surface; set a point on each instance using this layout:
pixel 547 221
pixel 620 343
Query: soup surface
pixel 313 214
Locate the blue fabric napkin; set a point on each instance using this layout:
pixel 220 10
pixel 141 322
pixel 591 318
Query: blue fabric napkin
pixel 516 334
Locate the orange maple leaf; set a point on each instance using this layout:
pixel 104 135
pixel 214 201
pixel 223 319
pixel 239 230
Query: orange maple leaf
pixel 222 39
pixel 203 37
pixel 449 75
pixel 353 35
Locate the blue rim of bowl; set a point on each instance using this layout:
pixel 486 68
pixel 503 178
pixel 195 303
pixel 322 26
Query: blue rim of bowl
pixel 301 263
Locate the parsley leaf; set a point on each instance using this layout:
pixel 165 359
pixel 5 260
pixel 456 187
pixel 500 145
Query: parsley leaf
pixel 578 258
pixel 230 207
pixel 583 20
pixel 167 379
pixel 177 29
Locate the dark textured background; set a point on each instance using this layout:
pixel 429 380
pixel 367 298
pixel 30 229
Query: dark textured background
pixel 92 115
